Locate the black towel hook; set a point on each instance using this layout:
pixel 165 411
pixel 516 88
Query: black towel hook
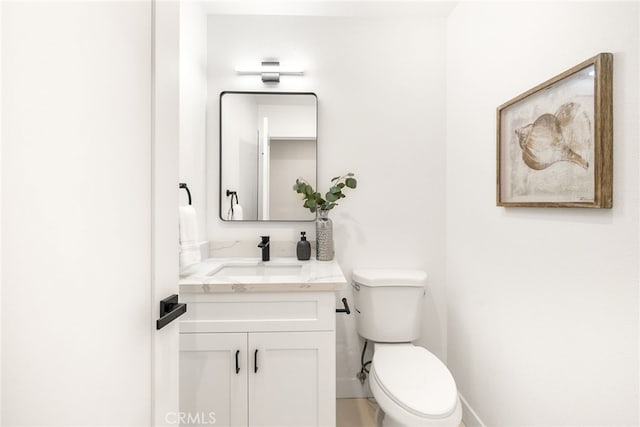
pixel 232 194
pixel 184 185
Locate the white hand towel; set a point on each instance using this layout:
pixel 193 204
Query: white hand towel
pixel 189 248
pixel 188 225
pixel 237 213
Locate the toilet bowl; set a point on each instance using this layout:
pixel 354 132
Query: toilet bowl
pixel 413 387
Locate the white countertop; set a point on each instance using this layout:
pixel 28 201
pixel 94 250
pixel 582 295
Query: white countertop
pixel 313 276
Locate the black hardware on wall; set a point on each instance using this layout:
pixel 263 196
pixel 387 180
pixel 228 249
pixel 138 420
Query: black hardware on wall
pixel 255 361
pixel 170 310
pixel 184 185
pixel 232 194
pixel 345 309
pixel 237 365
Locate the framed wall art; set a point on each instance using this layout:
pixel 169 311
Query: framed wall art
pixel 555 141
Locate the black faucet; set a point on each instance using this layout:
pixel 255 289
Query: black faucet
pixel 264 245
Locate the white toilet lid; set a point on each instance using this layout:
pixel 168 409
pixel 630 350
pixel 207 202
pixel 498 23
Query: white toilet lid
pixel 415 379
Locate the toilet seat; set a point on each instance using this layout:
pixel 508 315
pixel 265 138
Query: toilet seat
pixel 415 380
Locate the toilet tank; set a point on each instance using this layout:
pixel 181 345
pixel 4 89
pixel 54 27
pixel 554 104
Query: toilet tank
pixel 388 304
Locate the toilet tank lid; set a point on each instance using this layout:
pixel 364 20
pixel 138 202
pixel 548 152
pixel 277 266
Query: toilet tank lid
pixel 389 277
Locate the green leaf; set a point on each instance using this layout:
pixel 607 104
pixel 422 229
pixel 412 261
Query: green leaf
pixel 302 187
pixel 314 201
pixel 332 197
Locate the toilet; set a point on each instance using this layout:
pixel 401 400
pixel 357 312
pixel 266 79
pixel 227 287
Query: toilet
pixel 411 385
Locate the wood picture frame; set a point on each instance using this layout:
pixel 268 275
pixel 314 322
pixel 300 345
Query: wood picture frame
pixel 555 141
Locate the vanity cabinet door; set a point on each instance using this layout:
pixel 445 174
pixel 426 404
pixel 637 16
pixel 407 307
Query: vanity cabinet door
pixel 293 382
pixel 213 389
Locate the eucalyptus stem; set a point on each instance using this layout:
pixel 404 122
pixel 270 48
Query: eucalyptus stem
pixel 313 200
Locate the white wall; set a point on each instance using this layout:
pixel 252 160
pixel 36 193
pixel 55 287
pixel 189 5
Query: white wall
pixel 542 303
pixel 380 87
pixel 241 131
pixel 193 99
pixel 290 121
pixel 1 212
pixel 76 213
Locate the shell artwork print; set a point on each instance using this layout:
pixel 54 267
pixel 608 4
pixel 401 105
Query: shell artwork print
pixel 555 138
pixel 550 143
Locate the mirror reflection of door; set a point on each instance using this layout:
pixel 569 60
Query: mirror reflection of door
pixel 267 141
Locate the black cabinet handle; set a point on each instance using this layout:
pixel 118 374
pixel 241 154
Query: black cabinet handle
pixel 170 310
pixel 237 365
pixel 345 309
pixel 255 361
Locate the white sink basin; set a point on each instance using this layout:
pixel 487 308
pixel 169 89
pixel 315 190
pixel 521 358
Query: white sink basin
pixel 257 269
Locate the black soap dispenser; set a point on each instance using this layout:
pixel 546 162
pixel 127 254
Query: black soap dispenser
pixel 303 250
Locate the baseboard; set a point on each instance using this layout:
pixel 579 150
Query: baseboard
pixel 351 388
pixel 469 416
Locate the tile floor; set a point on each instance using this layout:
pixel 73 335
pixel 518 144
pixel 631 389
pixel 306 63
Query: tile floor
pixel 358 413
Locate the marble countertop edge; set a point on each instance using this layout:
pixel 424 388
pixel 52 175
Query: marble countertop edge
pixel 315 276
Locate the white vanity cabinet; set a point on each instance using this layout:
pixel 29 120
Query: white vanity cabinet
pixel 211 391
pixel 295 381
pixel 284 343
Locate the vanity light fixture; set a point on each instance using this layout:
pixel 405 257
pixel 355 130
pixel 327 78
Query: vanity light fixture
pixel 270 71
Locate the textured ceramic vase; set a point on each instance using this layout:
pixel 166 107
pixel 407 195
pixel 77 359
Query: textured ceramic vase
pixel 324 236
